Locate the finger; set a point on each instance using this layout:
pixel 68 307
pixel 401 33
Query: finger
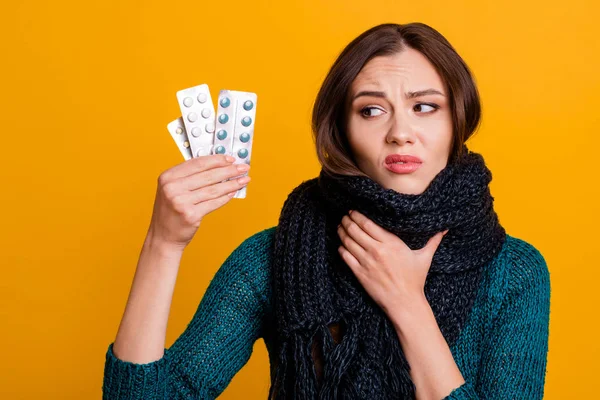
pixel 213 176
pixel 208 206
pixel 432 245
pixel 368 226
pixel 197 164
pixel 217 190
pixel 349 259
pixel 356 232
pixel 351 245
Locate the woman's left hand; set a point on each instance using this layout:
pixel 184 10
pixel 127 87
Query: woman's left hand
pixel 392 273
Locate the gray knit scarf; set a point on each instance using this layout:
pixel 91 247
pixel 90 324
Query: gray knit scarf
pixel 313 287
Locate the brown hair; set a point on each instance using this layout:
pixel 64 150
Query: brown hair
pixel 329 114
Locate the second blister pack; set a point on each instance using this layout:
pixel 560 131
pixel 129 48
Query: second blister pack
pixel 198 115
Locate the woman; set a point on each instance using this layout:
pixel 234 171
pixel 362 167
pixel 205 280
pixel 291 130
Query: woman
pixel 387 276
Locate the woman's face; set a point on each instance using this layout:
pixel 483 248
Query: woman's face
pixel 384 118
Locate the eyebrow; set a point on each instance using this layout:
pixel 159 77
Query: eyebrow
pixel 409 95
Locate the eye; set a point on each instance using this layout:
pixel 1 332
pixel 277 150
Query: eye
pixel 369 109
pixel 432 106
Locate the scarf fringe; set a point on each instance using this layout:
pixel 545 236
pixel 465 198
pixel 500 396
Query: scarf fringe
pixel 313 287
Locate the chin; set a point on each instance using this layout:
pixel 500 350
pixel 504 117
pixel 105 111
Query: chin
pixel 405 190
pixel 403 184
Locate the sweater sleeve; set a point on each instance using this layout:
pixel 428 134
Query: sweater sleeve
pixel 513 363
pixel 217 342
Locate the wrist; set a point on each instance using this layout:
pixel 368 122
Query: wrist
pixel 411 313
pixel 161 247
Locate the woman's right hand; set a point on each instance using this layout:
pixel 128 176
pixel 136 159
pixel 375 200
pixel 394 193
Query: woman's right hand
pixel 190 190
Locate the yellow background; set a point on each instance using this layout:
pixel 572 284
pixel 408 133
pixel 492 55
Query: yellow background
pixel 88 88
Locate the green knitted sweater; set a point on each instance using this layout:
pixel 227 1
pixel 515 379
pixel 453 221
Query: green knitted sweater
pixel 501 351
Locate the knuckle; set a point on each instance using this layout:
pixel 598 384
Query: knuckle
pixel 163 178
pixel 344 240
pixel 201 162
pixel 178 204
pixel 169 190
pixel 377 254
pixel 212 191
pixel 189 216
pixel 352 228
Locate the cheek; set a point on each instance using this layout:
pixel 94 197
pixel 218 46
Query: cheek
pixel 363 148
pixel 446 144
pixel 357 136
pixel 438 138
pixel 440 151
pixel 447 134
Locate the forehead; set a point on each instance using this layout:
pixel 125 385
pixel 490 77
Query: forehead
pixel 408 68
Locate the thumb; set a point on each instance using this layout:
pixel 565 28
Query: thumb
pixel 432 244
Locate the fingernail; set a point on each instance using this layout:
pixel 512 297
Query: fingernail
pixel 350 212
pixel 230 159
pixel 445 232
pixel 243 167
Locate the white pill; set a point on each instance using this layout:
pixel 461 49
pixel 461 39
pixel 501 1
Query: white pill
pixel 188 101
pixel 196 131
pixel 192 117
pixel 186 144
pixel 206 112
pixel 179 131
pixel 210 128
pixel 202 150
pixel 202 97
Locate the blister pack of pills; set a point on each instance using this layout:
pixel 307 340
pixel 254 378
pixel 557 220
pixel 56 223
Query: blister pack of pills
pixel 198 115
pixel 236 112
pixel 200 131
pixel 177 131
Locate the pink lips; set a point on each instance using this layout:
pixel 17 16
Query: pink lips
pixel 411 163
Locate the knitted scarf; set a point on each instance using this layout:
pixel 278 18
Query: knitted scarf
pixel 313 287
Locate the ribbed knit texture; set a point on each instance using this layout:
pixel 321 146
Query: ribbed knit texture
pixel 501 351
pixel 314 289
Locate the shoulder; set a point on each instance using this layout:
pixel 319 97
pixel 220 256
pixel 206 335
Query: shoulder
pixel 256 244
pixel 264 237
pixel 523 270
pixel 526 264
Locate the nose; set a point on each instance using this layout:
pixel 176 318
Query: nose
pixel 401 131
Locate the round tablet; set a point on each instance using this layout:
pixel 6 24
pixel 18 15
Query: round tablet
pixel 206 112
pixel 248 104
pixel 225 102
pixel 243 153
pixel 210 128
pixel 188 101
pixel 186 144
pixel 202 98
pixel 245 137
pixel 223 118
pixel 246 121
pixel 222 134
pixel 192 117
pixel 179 131
pixel 201 151
pixel 196 131
pixel 220 150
